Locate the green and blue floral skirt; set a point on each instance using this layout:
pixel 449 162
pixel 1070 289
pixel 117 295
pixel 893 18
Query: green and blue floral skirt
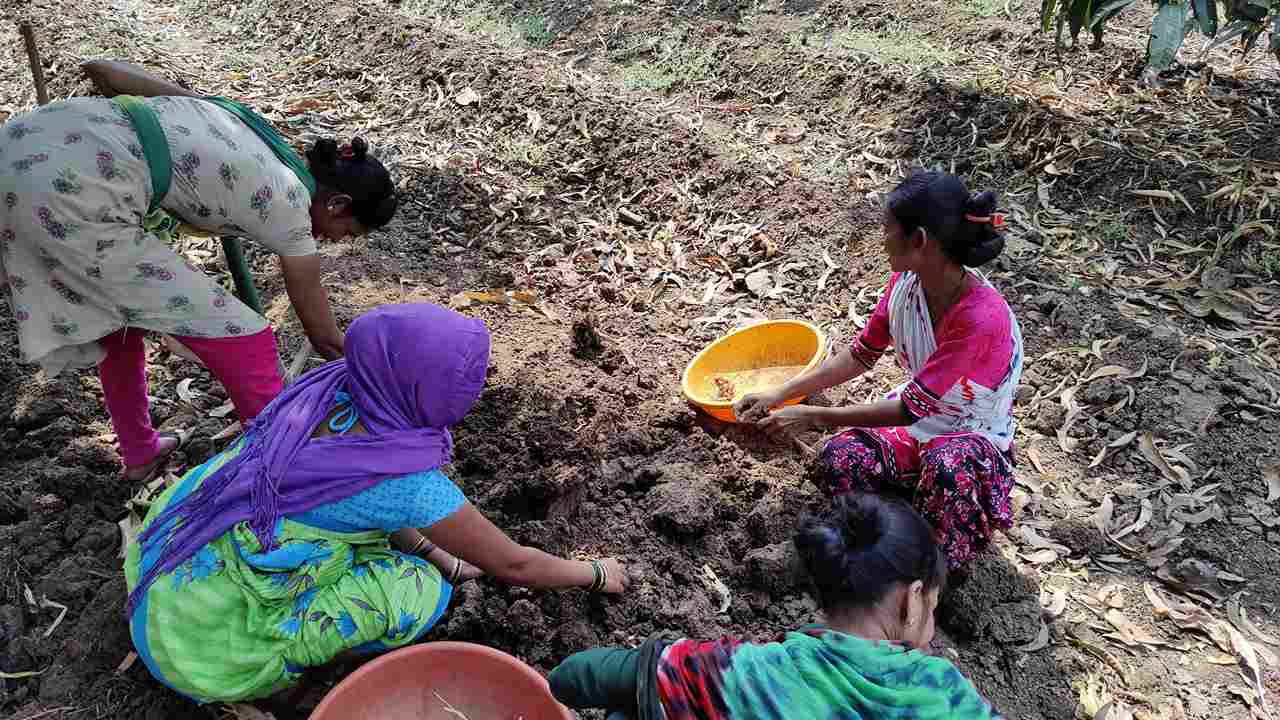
pixel 236 623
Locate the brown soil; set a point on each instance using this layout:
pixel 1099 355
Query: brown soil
pixel 635 215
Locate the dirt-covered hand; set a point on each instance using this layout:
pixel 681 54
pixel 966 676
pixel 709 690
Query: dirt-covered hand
pixel 753 407
pixel 786 422
pixel 616 581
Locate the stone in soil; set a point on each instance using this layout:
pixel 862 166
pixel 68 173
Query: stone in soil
pixel 525 618
pixel 1079 537
pixel 683 506
pixel 774 568
pixel 965 609
pixel 1015 623
pixel 37 413
pixel 1048 418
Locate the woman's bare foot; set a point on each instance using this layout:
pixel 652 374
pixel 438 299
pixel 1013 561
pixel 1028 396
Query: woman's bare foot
pixel 165 447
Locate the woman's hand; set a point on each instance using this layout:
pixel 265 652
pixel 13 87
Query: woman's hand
pixel 616 578
pixel 752 408
pixel 786 422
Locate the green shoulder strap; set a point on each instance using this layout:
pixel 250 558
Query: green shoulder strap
pixel 262 127
pixel 155 147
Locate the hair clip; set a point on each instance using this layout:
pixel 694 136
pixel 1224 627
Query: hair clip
pixel 995 219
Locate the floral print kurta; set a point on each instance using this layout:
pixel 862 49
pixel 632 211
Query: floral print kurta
pixel 77 262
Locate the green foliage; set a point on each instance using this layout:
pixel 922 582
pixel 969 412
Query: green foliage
pixel 535 31
pixel 675 62
pixel 895 45
pixel 1246 22
pixel 985 8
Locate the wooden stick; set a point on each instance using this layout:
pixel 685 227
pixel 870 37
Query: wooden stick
pixel 33 56
pixel 808 452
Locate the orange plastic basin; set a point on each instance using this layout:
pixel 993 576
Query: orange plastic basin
pixel 754 359
pixel 408 684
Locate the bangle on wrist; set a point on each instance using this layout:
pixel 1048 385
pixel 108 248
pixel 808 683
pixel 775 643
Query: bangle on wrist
pixel 599 577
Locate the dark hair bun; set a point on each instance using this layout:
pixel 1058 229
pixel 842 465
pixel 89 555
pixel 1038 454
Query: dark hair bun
pixel 862 546
pixel 939 202
pixel 352 171
pixel 324 153
pixel 359 148
pixel 983 203
pixel 987 241
pixel 862 526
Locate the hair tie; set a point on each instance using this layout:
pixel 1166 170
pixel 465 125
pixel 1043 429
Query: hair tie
pixel 995 219
pixel 347 152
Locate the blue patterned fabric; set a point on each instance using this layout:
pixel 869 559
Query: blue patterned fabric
pixel 419 500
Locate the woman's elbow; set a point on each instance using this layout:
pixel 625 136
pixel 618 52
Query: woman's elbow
pixel 518 570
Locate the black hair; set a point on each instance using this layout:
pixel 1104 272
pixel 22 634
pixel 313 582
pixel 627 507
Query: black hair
pixel 939 202
pixel 353 172
pixel 864 545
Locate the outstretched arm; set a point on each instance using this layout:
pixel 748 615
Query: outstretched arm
pixel 311 301
pixel 471 536
pixel 113 78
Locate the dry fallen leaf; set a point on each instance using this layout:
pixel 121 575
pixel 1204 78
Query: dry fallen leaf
pixel 716 585
pixel 1159 556
pixel 185 392
pixel 1192 576
pixel 1144 517
pixel 1128 632
pixel 1041 641
pixel 223 410
pixel 1147 446
pixel 1248 662
pixel 22 675
pixel 1032 538
pixel 760 283
pixel 229 431
pixel 1198 518
pixel 1103 518
pixel 1111 596
pixel 1271 477
pixel 1240 618
pixel 129 528
pixel 1116 371
pixel 1158 605
pixel 1041 557
pixel 1057 604
pixel 1033 454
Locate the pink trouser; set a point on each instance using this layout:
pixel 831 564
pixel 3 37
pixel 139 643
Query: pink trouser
pixel 248 367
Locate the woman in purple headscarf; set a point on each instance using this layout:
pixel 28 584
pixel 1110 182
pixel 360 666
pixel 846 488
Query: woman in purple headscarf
pixel 276 555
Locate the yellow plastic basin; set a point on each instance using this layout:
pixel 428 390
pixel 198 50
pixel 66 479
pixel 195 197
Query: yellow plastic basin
pixel 751 360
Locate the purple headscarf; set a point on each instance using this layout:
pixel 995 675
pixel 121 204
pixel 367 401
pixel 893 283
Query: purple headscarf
pixel 411 372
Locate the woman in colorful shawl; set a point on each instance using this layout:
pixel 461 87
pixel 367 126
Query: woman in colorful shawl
pixel 878 573
pixel 276 555
pixel 944 438
pixel 89 273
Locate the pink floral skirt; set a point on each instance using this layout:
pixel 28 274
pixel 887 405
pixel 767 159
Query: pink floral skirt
pixel 959 483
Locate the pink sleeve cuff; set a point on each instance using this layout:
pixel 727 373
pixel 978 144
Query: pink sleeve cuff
pixel 865 354
pixel 919 400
